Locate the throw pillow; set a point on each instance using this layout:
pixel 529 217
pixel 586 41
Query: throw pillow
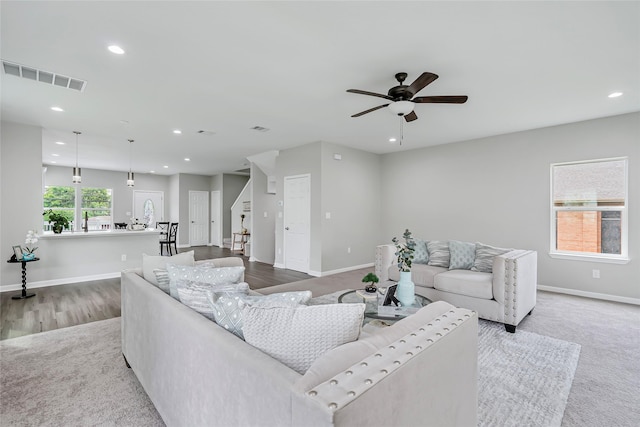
pixel 227 307
pixel 484 257
pixel 162 277
pixel 297 336
pixel 438 253
pixel 150 263
pixel 195 294
pixel 420 254
pixel 463 255
pixel 204 274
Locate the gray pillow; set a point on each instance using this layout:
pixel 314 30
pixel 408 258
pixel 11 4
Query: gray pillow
pixel 297 336
pixel 227 310
pixel 438 253
pixel 162 277
pixel 420 254
pixel 463 255
pixel 484 257
pixel 195 295
pixel 152 262
pixel 204 274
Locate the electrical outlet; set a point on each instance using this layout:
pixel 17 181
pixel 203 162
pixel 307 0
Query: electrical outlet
pixel 265 214
pixel 596 274
pixel 349 250
pixel 123 257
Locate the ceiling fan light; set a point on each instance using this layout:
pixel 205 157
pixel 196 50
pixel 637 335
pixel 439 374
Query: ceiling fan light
pixel 401 108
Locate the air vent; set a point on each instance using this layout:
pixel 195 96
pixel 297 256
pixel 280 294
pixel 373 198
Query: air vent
pixel 206 132
pixel 260 129
pixel 43 76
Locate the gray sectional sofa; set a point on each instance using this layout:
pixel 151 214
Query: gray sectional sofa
pixel 506 294
pixel 420 371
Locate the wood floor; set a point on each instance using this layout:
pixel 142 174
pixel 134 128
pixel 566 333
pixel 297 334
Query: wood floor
pixel 73 304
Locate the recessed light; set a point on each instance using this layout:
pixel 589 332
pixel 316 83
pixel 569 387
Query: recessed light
pixel 177 131
pixel 392 140
pixel 165 166
pixel 60 143
pixel 186 159
pixel 152 171
pixel 615 94
pixel 57 109
pixel 53 161
pixel 56 155
pixel 116 49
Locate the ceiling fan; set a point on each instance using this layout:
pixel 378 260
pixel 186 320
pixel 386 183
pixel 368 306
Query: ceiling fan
pixel 402 96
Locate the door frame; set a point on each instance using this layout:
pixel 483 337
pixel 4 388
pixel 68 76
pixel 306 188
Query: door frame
pixel 206 205
pixel 219 224
pixel 284 221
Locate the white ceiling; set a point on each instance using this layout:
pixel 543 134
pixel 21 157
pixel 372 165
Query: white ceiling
pixel 229 66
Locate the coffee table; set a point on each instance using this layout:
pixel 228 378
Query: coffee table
pixel 371 309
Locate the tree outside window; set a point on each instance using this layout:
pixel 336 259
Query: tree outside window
pixel 96 205
pixel 61 200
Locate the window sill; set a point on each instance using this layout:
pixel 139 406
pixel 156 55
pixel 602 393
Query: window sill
pixel 590 258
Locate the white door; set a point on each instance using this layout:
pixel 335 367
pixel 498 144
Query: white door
pixel 148 206
pixel 216 224
pixel 297 222
pixel 198 218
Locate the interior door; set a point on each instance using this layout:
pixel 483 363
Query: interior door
pixel 216 224
pixel 148 206
pixel 297 222
pixel 198 218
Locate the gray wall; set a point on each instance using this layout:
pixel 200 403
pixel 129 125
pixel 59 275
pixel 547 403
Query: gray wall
pixel 351 193
pixel 117 181
pixel 232 186
pixel 21 191
pixel 496 190
pixel 186 183
pixel 263 227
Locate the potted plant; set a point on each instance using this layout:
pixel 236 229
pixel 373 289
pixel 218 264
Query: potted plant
pixel 405 292
pixel 372 279
pixel 57 220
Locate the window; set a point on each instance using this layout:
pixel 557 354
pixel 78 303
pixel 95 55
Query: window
pixel 589 210
pixel 96 207
pixel 61 200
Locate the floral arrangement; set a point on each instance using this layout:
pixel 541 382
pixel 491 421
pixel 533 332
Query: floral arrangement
pixel 404 251
pixel 31 239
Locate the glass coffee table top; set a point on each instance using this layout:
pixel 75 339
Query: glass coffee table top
pixel 371 309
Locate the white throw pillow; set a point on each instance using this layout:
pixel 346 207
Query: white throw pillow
pixel 195 295
pixel 297 336
pixel 204 274
pixel 150 263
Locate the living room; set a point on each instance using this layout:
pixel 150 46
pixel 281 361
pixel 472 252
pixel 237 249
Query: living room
pixel 452 177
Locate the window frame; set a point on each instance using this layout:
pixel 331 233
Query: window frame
pixel 73 210
pixel 623 256
pixel 78 218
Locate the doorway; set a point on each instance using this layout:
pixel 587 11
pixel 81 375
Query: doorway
pixel 297 222
pixel 198 218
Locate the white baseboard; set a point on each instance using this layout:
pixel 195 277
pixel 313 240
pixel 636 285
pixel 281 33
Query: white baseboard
pixel 62 281
pixel 340 270
pixel 278 265
pixel 252 259
pixel 594 295
pixel 183 246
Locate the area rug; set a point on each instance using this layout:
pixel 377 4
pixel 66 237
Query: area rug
pixel 76 377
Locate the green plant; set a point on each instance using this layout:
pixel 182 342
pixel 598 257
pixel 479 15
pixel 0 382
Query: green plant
pixel 57 220
pixel 404 251
pixel 370 278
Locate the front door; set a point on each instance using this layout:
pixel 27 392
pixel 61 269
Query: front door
pixel 198 218
pixel 297 222
pixel 148 206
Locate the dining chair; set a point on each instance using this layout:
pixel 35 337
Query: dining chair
pixel 170 239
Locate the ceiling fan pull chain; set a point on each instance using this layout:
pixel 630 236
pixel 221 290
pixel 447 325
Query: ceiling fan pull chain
pixel 401 129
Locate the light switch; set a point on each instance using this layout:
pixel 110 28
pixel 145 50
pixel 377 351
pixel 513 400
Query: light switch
pixel 279 214
pixel 265 214
pixel 327 215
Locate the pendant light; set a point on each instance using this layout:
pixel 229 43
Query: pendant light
pixel 130 174
pixel 77 177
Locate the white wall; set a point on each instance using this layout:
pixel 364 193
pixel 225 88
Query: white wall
pixel 238 209
pixel 264 207
pixel 20 191
pixel 496 190
pixel 232 185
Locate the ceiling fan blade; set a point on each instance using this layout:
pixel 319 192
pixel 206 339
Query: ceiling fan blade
pixel 364 92
pixel 370 110
pixel 422 81
pixel 411 116
pixel 441 99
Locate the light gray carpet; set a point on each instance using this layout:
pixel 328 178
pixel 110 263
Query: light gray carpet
pixel 76 376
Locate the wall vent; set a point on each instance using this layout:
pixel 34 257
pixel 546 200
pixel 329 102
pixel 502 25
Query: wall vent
pixel 48 77
pixel 260 129
pixel 206 132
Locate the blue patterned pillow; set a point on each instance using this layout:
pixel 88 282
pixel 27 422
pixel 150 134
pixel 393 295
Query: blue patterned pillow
pixel 202 274
pixel 195 295
pixel 463 254
pixel 438 253
pixel 420 255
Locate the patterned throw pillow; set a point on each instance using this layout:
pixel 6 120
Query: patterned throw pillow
pixel 438 253
pixel 195 294
pixel 162 277
pixel 296 336
pixel 227 307
pixel 484 257
pixel 463 254
pixel 153 262
pixel 420 255
pixel 204 274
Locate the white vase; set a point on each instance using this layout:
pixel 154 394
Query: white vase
pixel 406 290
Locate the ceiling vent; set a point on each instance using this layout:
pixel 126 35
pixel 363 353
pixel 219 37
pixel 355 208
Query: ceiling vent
pixel 206 132
pixel 48 77
pixel 260 129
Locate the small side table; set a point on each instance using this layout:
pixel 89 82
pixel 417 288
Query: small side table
pixel 24 294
